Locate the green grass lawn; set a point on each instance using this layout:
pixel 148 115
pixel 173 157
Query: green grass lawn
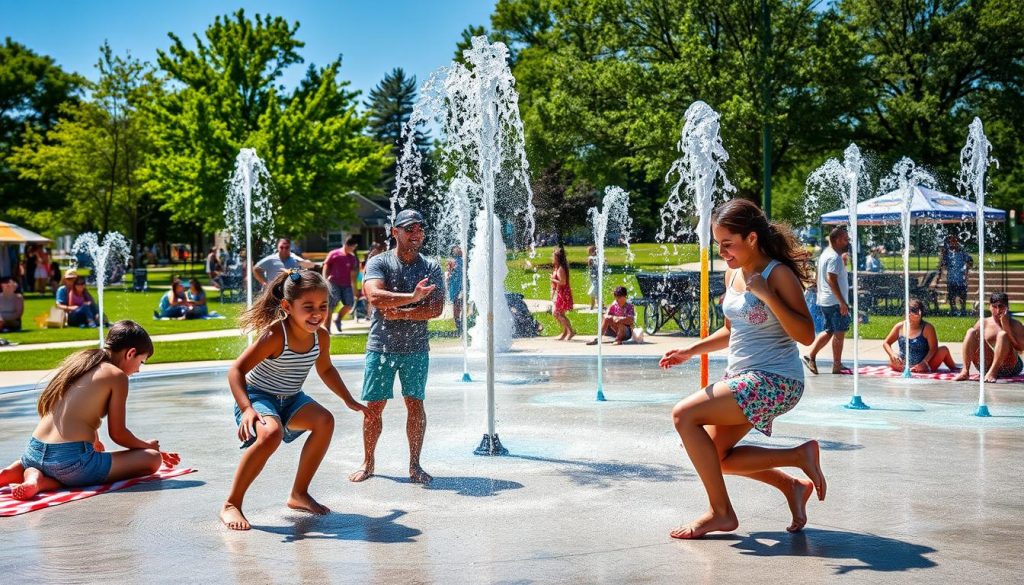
pixel 220 348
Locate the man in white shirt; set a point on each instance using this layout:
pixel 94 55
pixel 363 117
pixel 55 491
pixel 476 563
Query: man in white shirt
pixel 266 269
pixel 833 290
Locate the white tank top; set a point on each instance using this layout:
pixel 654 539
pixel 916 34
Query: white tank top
pixel 757 340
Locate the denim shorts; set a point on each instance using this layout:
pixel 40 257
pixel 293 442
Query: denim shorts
pixel 379 375
pixel 344 294
pixel 283 408
pixel 835 322
pixel 72 464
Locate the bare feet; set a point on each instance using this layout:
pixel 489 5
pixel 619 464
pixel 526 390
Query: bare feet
pixel 362 474
pixel 562 336
pixel 990 377
pixel 13 474
pixel 24 491
pixel 797 498
pixel 306 503
pixel 963 375
pixel 417 475
pixel 810 463
pixel 233 518
pixel 572 333
pixel 707 523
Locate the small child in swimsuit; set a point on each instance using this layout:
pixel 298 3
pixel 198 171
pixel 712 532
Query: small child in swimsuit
pixel 266 382
pixel 65 449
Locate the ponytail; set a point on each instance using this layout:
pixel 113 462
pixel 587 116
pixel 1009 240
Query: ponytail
pixel 288 285
pixel 776 240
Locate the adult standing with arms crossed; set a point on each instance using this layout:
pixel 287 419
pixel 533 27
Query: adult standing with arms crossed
pixel 833 288
pixel 406 289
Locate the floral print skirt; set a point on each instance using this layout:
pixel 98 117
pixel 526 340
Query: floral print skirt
pixel 763 395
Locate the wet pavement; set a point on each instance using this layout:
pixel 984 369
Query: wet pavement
pixel 919 489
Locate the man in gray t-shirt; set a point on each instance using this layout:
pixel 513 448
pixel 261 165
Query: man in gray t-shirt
pixel 833 289
pixel 405 289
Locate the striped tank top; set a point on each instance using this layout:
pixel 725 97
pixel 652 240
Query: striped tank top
pixel 284 375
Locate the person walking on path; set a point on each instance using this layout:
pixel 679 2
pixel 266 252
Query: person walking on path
pixel 833 288
pixel 1004 341
pixel 267 269
pixel 765 315
pixel 406 289
pixel 341 267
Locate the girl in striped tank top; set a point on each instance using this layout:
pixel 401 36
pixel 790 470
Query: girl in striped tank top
pixel 765 315
pixel 266 382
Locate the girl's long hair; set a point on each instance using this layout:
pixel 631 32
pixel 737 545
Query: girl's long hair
pixel 121 336
pixel 288 285
pixel 776 240
pixel 560 260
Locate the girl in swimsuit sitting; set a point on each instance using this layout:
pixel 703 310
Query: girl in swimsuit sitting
pixel 926 355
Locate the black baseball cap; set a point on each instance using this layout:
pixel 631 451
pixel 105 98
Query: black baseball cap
pixel 408 217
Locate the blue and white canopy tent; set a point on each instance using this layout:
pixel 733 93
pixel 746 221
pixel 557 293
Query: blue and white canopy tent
pixel 928 207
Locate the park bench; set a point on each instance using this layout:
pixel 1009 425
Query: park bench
pixel 675 296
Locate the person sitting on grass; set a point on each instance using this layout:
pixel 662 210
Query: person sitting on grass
pixel 926 355
pixel 12 305
pixel 619 319
pixel 65 448
pixel 1004 340
pixel 172 303
pixel 74 299
pixel 195 300
pixel 266 382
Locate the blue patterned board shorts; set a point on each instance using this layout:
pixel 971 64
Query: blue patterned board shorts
pixel 763 395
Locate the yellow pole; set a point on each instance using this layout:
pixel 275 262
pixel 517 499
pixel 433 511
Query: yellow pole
pixel 704 302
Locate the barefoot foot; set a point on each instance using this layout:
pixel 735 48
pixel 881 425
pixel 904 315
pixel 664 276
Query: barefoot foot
pixel 233 518
pixel 810 463
pixel 797 498
pixel 362 474
pixel 963 375
pixel 306 503
pixel 417 475
pixel 24 491
pixel 707 523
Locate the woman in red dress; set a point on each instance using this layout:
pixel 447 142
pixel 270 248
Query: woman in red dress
pixel 561 293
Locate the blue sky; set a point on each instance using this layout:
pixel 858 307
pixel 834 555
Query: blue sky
pixel 372 36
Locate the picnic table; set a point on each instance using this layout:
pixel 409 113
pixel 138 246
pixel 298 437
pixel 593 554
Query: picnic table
pixel 675 296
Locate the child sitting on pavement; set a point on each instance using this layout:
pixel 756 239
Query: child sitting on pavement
pixel 619 319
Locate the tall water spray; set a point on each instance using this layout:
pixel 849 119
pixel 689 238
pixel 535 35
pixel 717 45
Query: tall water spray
pixel 452 225
pixel 905 177
pixel 974 160
pixel 477 109
pixel 700 169
pixel 247 209
pixel 114 249
pixel 843 178
pixel 614 212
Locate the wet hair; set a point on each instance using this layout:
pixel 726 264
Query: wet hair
pixel 122 335
pixel 916 303
pixel 560 260
pixel 999 298
pixel 620 291
pixel 286 286
pixel 776 240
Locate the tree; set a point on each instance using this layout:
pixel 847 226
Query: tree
pixel 96 154
pixel 561 201
pixel 390 107
pixel 32 90
pixel 226 98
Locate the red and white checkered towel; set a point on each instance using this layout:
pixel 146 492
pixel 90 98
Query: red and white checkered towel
pixel 11 507
pixel 887 372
